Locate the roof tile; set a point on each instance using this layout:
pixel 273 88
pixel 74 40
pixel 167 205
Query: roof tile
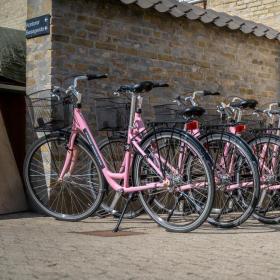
pixel 248 27
pixel 145 4
pixel 164 6
pixel 208 17
pixel 176 12
pixel 260 30
pixel 272 34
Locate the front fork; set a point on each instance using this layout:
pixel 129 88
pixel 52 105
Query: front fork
pixel 71 157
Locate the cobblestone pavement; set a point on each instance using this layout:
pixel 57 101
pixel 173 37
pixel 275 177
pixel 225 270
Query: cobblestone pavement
pixel 36 247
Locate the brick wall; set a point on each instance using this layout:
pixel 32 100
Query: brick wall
pixel 132 44
pixel 13 14
pixel 263 11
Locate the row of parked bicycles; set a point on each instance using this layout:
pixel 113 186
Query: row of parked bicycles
pixel 188 165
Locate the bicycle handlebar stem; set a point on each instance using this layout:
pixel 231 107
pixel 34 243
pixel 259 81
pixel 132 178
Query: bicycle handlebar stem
pixel 191 99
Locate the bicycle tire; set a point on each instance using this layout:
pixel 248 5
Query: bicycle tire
pixel 65 214
pixel 268 196
pixel 113 150
pixel 249 160
pixel 195 147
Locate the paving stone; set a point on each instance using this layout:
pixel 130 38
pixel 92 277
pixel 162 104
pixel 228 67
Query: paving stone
pixel 36 247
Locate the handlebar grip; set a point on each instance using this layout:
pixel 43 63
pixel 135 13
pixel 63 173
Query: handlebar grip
pixel 56 90
pixel 122 89
pixel 259 110
pixel 96 76
pixel 208 92
pixel 274 112
pixel 160 85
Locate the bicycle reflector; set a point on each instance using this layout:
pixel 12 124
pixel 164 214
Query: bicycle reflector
pixel 192 125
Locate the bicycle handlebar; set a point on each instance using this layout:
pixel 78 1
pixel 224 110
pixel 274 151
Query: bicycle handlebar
pixel 96 76
pixel 200 93
pixel 207 92
pixel 145 86
pixel 160 85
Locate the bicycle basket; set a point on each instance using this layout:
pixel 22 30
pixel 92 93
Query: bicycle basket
pixel 168 113
pixel 48 111
pixel 254 121
pixel 112 113
pixel 212 119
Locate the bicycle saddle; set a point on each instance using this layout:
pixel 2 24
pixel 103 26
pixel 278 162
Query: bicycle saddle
pixel 193 111
pixel 245 104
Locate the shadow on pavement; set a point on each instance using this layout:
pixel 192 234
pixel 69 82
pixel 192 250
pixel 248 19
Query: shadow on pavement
pixel 251 226
pixel 20 215
pixel 145 223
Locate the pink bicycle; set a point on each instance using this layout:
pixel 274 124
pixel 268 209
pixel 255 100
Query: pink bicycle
pixel 66 175
pixel 263 137
pixel 235 166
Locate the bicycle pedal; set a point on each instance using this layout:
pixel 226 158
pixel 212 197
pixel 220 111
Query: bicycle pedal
pixel 101 214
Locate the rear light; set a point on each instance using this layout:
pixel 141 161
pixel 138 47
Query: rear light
pixel 239 128
pixel 192 125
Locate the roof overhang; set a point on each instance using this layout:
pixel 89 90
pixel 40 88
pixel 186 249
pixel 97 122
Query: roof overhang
pixel 184 9
pixel 12 56
pixel 13 88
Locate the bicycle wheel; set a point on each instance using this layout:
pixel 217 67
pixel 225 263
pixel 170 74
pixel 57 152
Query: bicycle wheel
pixel 236 177
pixel 175 209
pixel 78 195
pixel 113 152
pixel 267 150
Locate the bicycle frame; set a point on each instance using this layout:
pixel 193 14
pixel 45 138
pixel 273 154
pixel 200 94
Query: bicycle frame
pixel 195 131
pixel 235 129
pixel 136 125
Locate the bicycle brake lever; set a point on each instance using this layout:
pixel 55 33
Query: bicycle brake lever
pixel 177 100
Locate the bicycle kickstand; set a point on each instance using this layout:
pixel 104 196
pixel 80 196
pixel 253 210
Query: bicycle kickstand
pixel 116 229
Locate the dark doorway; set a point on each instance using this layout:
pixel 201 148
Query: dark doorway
pixel 12 106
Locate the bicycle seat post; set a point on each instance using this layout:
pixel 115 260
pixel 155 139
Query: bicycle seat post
pixel 132 109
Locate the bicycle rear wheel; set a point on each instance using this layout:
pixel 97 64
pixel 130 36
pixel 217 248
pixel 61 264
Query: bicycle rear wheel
pixel 74 198
pixel 113 152
pixel 267 150
pixel 171 207
pixel 236 177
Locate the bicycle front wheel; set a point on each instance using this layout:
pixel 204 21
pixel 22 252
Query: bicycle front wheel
pixel 75 197
pixel 185 202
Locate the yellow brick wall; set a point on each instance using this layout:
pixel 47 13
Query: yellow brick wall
pixel 13 13
pixel 263 11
